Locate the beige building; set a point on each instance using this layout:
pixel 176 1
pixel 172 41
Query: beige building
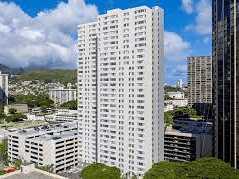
pixel 199 80
pixel 21 108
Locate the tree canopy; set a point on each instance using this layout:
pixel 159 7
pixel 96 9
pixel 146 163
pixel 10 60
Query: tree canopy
pixel 35 101
pixel 167 97
pixel 3 151
pixel 57 75
pixel 210 168
pixel 182 112
pixel 16 117
pixel 72 105
pixel 172 89
pixel 13 116
pixel 100 171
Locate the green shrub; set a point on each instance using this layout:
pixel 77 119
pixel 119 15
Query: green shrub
pixel 100 171
pixel 72 105
pixel 206 168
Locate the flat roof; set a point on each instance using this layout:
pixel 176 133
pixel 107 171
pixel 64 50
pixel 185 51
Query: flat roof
pixel 44 128
pixel 23 124
pixel 55 136
pixel 131 8
pixel 108 12
pixel 34 174
pixel 64 89
pixel 171 131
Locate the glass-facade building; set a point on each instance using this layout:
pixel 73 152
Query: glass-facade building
pixel 226 80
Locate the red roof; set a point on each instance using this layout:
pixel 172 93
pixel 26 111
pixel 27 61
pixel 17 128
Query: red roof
pixel 9 169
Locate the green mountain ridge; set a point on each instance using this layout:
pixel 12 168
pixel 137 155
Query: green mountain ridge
pixel 50 75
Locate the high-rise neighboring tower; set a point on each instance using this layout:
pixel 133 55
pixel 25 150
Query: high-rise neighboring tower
pixel 199 80
pixel 3 88
pixel 226 79
pixel 120 89
pixel 179 83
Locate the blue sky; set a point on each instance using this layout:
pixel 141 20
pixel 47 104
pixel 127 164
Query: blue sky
pixel 43 34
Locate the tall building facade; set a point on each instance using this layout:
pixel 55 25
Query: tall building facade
pixel 62 95
pixel 3 88
pixel 225 78
pixel 120 89
pixel 179 83
pixel 199 80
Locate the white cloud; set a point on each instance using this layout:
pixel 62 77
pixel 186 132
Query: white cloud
pixel 175 46
pixel 4 28
pixel 203 21
pixel 30 34
pixel 187 6
pixel 176 51
pixel 49 39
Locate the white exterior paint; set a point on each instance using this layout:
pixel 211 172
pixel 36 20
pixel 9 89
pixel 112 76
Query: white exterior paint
pixel 177 102
pixel 62 95
pixel 176 95
pixel 66 115
pixel 22 108
pixel 120 89
pixel 56 146
pixel 179 83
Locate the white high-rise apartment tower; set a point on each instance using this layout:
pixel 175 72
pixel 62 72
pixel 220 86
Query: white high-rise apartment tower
pixel 120 89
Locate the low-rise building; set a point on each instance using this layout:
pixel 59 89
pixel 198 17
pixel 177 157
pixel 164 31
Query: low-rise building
pixel 40 111
pixel 38 117
pixel 66 115
pixel 51 145
pixel 62 95
pixel 176 95
pixel 34 117
pixel 36 111
pixel 179 102
pixel 172 104
pixel 168 107
pixel 21 108
pixel 195 125
pixel 188 140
